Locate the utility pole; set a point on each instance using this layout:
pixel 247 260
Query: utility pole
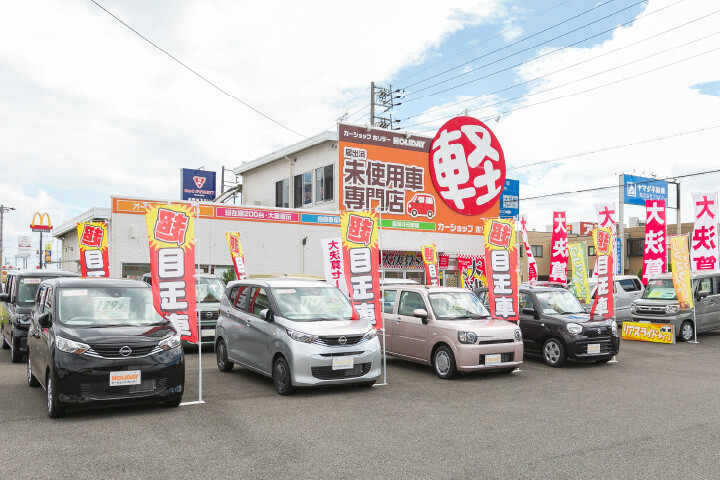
pixel 3 209
pixel 383 98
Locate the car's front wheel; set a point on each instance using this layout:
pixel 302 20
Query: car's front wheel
pixel 281 377
pixel 687 331
pixel 15 353
pixel 224 365
pixel 444 363
pixel 553 352
pixel 53 409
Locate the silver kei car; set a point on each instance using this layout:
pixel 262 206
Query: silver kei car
pixel 299 332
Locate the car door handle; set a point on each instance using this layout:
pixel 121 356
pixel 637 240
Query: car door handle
pixel 397 320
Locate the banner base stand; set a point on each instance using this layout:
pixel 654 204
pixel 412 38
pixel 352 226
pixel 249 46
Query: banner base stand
pixel 692 341
pixel 196 402
pixel 613 360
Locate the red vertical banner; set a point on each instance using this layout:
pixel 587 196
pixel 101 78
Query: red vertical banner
pixel 532 265
pixel 359 232
pixel 172 265
pixel 559 249
pixel 92 239
pixel 430 259
pixel 501 267
pixel 654 257
pixel 238 258
pixel 603 305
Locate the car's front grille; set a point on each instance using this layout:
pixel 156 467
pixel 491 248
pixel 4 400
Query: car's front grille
pixel 496 341
pixel 327 373
pixel 337 340
pixel 341 354
pixel 504 358
pixel 598 331
pixel 117 351
pixel 100 391
pixel 209 315
pixel 648 310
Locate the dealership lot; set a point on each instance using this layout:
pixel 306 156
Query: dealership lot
pixel 654 413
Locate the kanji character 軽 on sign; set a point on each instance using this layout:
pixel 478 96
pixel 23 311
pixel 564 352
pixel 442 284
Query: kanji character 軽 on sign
pixel 467 165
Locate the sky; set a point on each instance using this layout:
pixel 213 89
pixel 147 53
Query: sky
pixel 91 107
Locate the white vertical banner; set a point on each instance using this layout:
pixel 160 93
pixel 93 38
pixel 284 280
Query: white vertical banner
pixel 532 265
pixel 607 218
pixel 704 253
pixel 333 263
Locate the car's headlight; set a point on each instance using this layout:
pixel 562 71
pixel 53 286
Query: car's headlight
pixel 673 308
pixel 518 335
pixel 170 342
pixel 372 333
pixel 613 326
pixel 301 337
pixel 574 328
pixel 71 346
pixel 467 337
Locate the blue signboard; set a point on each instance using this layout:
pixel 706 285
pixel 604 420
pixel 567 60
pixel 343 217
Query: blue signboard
pixel 320 219
pixel 618 253
pixel 639 189
pixel 510 199
pixel 197 185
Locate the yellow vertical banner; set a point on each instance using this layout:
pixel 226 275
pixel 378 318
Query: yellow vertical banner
pixel 680 261
pixel 579 281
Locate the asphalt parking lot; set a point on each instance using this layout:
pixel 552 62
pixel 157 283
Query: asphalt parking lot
pixel 653 414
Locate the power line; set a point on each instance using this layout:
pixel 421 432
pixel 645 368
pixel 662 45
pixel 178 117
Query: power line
pixel 529 48
pixel 196 73
pixel 572 94
pixel 516 42
pixel 560 70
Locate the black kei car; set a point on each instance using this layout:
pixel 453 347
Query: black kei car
pixel 100 341
pixel 18 298
pixel 554 324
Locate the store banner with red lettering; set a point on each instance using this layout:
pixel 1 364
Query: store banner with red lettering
pixel 92 239
pixel 532 265
pixel 172 265
pixel 654 257
pixel 607 217
pixel 704 254
pixel 501 268
pixel 333 263
pixel 559 249
pixel 680 260
pixel 359 231
pixel 604 303
pixel 236 252
pixel 472 271
pixel 430 259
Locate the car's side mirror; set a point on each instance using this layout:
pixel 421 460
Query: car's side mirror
pixel 4 297
pixel 422 314
pixel 700 294
pixel 531 312
pixel 267 314
pixel 44 320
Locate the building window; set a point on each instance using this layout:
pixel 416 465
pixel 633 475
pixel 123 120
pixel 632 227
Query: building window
pixel 591 251
pixel 135 270
pixel 536 250
pixel 636 247
pixel 302 186
pixel 324 184
pixel 282 193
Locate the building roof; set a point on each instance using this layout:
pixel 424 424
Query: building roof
pixel 328 136
pixel 93 214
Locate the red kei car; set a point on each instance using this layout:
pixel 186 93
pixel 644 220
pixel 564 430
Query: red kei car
pixel 422 204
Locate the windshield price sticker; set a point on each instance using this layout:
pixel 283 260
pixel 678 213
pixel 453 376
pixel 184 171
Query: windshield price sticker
pixel 285 290
pixel 31 281
pixel 111 308
pixel 493 359
pixel 128 377
pixel 342 363
pixel 593 348
pixel 73 293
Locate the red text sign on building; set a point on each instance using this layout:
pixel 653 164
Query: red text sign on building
pixel 467 165
pixel 654 256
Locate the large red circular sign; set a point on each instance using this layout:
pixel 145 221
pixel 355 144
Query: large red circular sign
pixel 467 165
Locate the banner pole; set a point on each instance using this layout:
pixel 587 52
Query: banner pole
pixel 382 300
pixel 197 311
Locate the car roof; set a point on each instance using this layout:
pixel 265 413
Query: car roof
pixel 426 288
pixel 43 273
pixel 75 282
pixel 282 282
pixel 693 274
pixel 530 288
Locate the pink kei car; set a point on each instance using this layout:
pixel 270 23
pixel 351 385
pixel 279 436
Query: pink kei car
pixel 448 328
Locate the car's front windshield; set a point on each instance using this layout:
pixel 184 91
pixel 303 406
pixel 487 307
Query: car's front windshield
pixel 107 306
pixel 209 289
pixel 660 289
pixel 307 304
pixel 456 305
pixel 559 301
pixel 27 288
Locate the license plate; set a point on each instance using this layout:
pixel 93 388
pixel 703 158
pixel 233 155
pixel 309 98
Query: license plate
pixel 208 333
pixel 342 363
pixel 493 359
pixel 593 348
pixel 128 377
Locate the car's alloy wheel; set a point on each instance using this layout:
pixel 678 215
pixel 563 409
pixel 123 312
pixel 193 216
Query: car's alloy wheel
pixel 281 377
pixel 224 365
pixel 687 331
pixel 444 363
pixel 31 380
pixel 52 407
pixel 553 353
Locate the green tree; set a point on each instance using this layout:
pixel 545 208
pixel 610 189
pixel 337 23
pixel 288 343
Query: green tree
pixel 228 275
